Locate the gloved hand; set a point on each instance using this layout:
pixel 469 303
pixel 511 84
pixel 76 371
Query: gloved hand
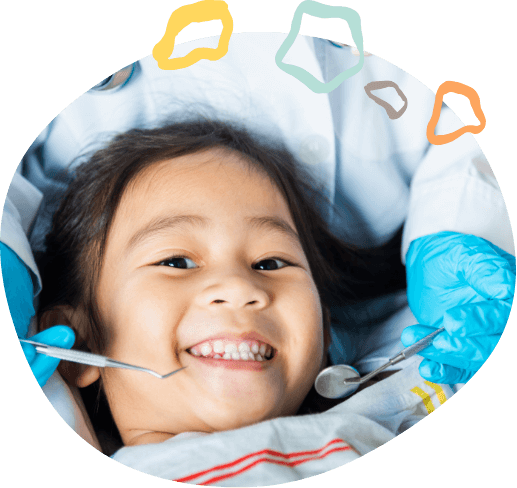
pixel 466 284
pixel 19 293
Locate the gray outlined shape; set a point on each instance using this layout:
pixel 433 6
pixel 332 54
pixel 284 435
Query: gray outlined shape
pixel 377 85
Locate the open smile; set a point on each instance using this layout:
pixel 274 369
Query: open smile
pixel 233 364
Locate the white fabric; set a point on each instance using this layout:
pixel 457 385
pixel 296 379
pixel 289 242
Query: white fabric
pixel 70 407
pixel 379 172
pixel 292 448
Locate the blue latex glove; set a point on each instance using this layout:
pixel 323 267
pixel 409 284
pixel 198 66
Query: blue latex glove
pixel 466 284
pixel 19 293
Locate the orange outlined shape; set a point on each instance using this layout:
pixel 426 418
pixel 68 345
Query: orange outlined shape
pixel 197 12
pixel 475 103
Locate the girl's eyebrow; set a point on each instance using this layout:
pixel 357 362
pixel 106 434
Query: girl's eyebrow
pixel 170 222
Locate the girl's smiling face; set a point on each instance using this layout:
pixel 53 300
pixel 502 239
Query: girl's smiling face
pixel 203 251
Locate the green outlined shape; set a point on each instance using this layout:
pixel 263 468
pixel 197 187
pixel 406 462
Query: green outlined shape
pixel 323 12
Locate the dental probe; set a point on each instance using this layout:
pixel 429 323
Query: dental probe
pixel 341 381
pixel 90 358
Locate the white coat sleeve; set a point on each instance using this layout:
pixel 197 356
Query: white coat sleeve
pixel 21 206
pixel 454 189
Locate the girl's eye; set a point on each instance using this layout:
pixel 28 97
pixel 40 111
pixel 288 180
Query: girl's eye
pixel 179 259
pixel 272 260
pixel 175 259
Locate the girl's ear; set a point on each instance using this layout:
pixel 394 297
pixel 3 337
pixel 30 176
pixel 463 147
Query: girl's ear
pixel 60 315
pixel 76 374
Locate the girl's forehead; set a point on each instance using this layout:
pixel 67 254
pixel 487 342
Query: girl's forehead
pixel 215 180
pixel 201 168
pixel 213 171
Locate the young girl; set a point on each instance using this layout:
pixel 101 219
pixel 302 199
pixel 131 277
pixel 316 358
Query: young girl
pixel 195 245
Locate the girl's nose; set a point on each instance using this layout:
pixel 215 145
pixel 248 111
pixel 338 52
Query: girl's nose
pixel 235 292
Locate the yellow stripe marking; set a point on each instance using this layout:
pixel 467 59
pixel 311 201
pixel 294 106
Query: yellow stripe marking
pixel 425 398
pixel 439 391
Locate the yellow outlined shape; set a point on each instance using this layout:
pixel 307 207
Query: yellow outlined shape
pixel 197 12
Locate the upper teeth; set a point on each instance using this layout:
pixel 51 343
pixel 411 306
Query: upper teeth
pixel 244 350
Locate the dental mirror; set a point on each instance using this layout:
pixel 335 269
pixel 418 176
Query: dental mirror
pixel 342 380
pixel 330 383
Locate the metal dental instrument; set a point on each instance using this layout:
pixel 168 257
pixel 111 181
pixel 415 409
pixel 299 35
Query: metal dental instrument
pixel 341 381
pixel 90 358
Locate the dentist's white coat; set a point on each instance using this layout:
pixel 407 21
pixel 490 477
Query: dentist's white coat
pixel 381 172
